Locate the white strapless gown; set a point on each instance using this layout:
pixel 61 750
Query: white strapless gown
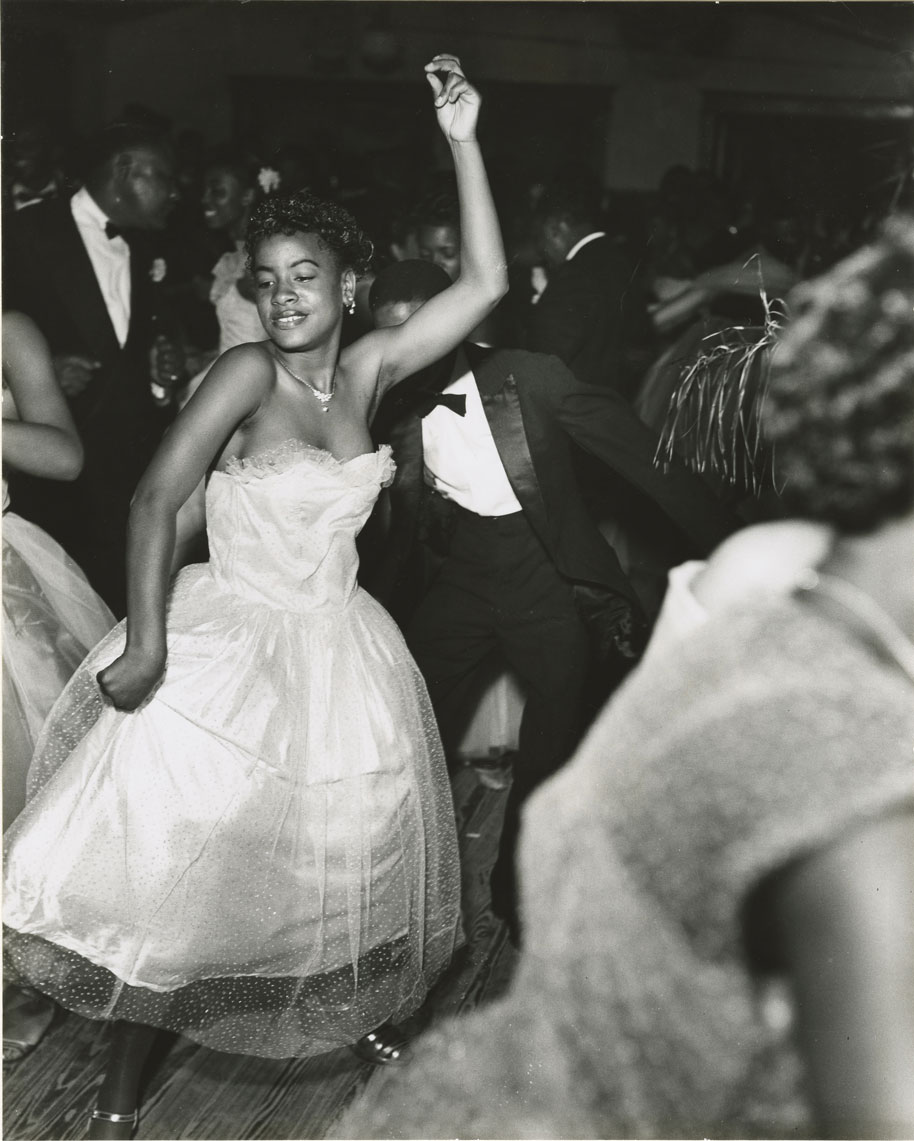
pixel 263 856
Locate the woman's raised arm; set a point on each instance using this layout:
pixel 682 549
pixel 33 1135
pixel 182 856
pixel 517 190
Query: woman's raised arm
pixel 447 319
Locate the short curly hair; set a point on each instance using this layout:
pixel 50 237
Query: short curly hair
pixel 302 213
pixel 438 208
pixel 839 411
pixel 236 162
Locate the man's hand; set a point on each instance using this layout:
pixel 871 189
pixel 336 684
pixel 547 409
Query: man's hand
pixel 130 679
pixel 74 372
pixel 166 361
pixel 456 102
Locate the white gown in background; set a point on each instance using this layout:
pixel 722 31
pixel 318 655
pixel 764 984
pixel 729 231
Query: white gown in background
pixel 239 321
pixel 262 856
pixel 51 619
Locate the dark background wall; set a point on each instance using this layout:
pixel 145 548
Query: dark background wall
pixel 797 91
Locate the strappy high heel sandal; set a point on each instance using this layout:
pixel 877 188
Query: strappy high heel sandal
pixel 131 1119
pixel 386 1046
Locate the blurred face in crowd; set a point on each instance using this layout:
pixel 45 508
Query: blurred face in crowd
pixel 441 244
pixel 225 199
pixel 300 290
pixel 394 313
pixel 145 188
pixel 31 156
pixel 554 241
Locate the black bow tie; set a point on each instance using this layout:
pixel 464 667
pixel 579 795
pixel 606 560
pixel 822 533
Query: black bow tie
pixel 112 231
pixel 428 400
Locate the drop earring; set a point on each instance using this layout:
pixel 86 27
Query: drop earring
pixel 352 306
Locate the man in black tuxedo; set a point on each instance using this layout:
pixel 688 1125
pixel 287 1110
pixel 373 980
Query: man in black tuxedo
pixel 486 546
pixel 83 269
pixel 592 312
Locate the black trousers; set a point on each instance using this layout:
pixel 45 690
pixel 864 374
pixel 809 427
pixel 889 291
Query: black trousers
pixel 499 593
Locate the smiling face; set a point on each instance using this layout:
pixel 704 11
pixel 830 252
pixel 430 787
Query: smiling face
pixel 301 291
pixel 225 199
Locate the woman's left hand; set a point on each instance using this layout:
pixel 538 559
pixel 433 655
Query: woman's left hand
pixel 456 102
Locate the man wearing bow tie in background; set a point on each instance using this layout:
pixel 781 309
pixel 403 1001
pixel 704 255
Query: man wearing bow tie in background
pixel 485 546
pixel 84 270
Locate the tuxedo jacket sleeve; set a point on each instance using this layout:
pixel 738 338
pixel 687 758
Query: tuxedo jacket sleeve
pixel 605 425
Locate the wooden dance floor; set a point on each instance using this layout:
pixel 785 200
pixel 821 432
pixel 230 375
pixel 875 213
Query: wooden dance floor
pixel 194 1093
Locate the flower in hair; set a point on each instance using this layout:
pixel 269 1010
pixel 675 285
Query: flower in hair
pixel 268 179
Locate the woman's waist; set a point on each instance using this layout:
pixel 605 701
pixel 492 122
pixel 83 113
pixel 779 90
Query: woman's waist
pixel 298 593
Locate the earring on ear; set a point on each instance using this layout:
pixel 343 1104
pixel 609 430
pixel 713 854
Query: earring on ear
pixel 352 306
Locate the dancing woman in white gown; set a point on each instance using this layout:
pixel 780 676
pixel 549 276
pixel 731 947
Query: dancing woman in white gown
pixel 51 615
pixel 252 842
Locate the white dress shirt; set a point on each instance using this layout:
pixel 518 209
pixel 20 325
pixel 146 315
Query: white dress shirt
pixel 110 259
pixel 461 460
pixel 586 240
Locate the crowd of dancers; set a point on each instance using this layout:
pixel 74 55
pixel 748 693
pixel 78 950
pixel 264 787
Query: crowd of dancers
pixel 406 509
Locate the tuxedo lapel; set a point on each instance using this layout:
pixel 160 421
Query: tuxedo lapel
pixel 484 364
pixel 409 481
pixel 501 404
pixel 65 258
pixel 141 289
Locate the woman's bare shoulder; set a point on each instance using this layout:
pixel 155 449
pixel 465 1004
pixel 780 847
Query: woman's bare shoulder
pixel 239 380
pixel 18 328
pixel 250 362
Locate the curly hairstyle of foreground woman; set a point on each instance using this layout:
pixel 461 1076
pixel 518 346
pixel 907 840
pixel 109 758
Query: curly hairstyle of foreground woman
pixel 719 888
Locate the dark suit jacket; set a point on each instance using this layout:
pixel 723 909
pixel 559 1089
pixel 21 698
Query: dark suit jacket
pixel 537 411
pixel 591 314
pixel 48 275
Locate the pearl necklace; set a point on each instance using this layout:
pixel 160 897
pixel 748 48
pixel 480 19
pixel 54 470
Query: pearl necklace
pixel 323 397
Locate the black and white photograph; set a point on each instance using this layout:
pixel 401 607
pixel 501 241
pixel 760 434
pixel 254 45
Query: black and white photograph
pixel 458 569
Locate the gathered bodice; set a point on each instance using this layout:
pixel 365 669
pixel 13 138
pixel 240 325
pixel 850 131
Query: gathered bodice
pixel 282 526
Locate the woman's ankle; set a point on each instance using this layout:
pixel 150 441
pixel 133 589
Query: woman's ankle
pixel 109 1125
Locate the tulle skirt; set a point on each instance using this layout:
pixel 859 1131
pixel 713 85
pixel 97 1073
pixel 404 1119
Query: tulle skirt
pixel 51 619
pixel 263 856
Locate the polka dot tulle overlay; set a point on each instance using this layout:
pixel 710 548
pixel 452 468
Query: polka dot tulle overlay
pixel 262 856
